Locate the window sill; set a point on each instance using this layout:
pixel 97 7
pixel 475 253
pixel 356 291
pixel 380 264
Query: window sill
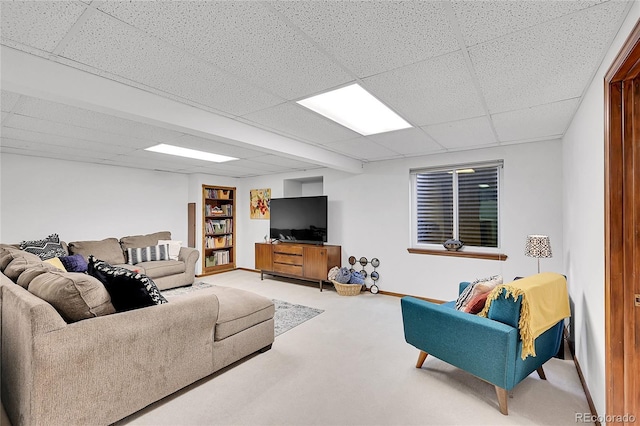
pixel 474 255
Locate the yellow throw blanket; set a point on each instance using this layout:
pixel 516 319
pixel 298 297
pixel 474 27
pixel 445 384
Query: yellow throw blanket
pixel 545 301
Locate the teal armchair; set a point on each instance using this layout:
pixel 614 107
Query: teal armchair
pixel 489 348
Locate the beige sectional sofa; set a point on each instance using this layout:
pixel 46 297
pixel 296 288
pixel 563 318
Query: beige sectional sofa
pixel 97 370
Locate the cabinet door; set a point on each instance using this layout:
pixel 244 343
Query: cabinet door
pixel 264 257
pixel 314 260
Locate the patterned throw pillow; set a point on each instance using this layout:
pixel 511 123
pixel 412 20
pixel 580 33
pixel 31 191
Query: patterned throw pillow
pixel 46 248
pixel 479 286
pixel 146 254
pixel 128 289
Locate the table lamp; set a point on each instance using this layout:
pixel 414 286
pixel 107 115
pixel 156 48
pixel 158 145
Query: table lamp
pixel 538 246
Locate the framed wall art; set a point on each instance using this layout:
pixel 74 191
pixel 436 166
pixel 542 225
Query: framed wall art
pixel 259 204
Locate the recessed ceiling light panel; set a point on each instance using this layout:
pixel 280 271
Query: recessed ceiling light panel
pixel 357 109
pixel 189 153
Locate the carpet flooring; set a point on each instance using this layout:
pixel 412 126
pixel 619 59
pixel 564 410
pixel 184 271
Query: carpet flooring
pixel 350 365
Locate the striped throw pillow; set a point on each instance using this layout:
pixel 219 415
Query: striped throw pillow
pixel 146 254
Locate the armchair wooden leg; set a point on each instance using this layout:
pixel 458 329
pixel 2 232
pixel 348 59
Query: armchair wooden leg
pixel 502 400
pixel 541 373
pixel 421 358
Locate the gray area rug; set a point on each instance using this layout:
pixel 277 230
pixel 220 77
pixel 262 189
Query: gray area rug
pixel 287 316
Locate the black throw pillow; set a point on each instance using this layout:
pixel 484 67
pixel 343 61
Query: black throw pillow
pixel 128 289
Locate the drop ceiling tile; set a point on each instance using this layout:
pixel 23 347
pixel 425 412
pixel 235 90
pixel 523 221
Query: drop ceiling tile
pixel 463 134
pixel 258 166
pixel 363 149
pixel 285 162
pixel 428 92
pixel 536 122
pixel 67 130
pixel 38 149
pixel 147 164
pixel 297 121
pixel 8 100
pixel 407 142
pixel 113 47
pixel 482 21
pixel 370 37
pixel 28 136
pixel 79 117
pixel 232 168
pixel 549 62
pixel 253 42
pixel 39 24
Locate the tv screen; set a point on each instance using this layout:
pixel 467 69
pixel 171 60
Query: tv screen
pixel 299 219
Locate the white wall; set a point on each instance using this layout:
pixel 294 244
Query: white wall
pixel 87 201
pixel 583 169
pixel 369 215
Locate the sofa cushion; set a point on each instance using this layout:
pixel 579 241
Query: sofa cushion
pixel 134 241
pixel 240 310
pixel 7 255
pixel 108 250
pixel 74 263
pixel 128 289
pixel 75 296
pixel 136 255
pixel 33 271
pixel 161 268
pixel 19 264
pixel 45 248
pixel 476 304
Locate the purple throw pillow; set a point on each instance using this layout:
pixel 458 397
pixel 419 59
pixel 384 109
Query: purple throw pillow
pixel 74 263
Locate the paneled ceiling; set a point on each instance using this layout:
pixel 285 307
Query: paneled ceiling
pixel 465 74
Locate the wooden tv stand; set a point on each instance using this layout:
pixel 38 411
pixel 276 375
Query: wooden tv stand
pixel 302 261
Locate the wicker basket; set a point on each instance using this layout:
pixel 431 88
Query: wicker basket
pixel 347 289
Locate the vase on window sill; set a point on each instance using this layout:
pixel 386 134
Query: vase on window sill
pixel 453 245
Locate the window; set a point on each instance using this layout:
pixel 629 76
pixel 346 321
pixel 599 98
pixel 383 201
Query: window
pixel 457 202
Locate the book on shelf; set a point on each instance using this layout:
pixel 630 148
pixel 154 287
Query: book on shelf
pixel 222 226
pixel 217 194
pixel 213 242
pixel 224 210
pixel 217 258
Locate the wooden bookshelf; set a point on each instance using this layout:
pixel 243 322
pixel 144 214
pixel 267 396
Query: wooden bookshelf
pixel 218 229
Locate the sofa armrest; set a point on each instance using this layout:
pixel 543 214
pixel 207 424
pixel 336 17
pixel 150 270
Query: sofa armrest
pixel 189 256
pixel 481 346
pixel 146 354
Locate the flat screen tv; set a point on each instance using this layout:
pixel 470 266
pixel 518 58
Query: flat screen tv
pixel 299 219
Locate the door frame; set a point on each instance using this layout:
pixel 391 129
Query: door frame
pixel 621 346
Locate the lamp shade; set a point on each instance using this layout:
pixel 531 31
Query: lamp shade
pixel 538 246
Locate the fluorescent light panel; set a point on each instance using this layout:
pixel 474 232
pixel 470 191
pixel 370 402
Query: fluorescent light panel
pixel 357 109
pixel 189 153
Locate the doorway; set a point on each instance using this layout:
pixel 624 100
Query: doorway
pixel 622 232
